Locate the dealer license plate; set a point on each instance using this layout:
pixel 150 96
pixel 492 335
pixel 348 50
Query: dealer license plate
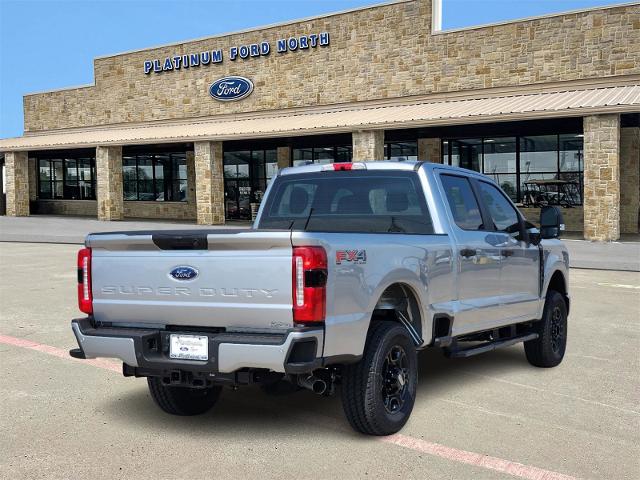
pixel 189 347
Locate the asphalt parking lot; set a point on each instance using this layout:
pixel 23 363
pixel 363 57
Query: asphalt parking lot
pixel 490 416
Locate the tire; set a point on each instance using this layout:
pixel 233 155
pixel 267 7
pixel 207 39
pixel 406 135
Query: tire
pixel 184 401
pixel 548 349
pixel 375 398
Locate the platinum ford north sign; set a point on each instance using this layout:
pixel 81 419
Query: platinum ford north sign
pixel 244 52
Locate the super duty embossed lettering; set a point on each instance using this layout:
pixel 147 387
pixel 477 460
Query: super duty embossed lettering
pixel 187 291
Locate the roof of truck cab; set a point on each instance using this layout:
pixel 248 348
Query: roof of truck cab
pixel 382 165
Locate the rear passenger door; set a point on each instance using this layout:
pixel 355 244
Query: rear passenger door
pixel 520 260
pixel 478 258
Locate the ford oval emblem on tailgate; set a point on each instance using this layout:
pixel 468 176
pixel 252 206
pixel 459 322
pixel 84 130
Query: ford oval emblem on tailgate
pixel 183 272
pixel 228 89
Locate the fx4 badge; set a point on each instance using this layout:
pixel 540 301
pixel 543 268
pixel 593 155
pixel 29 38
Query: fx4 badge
pixel 351 256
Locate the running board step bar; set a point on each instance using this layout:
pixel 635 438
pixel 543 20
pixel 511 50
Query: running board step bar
pixel 488 346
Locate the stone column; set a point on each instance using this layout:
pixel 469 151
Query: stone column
pixel 602 177
pixel 16 166
pixel 429 150
pixel 109 183
pixel 629 179
pixel 209 183
pixel 284 157
pixel 368 145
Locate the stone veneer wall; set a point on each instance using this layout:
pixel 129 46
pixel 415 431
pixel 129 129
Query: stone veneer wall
pixel 109 188
pixel 17 183
pixel 209 183
pixel 629 179
pixel 87 208
pixel 368 145
pixel 163 210
pixel 430 150
pixel 573 217
pixel 602 177
pixel 380 52
pixel 284 157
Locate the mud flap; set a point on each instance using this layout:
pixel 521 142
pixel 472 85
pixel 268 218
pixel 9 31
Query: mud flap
pixel 415 336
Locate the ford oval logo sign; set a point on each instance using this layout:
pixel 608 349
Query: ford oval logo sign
pixel 183 273
pixel 228 89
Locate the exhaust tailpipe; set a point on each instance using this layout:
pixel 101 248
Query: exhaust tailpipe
pixel 313 383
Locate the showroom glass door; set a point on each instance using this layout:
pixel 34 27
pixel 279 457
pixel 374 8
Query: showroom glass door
pixel 246 175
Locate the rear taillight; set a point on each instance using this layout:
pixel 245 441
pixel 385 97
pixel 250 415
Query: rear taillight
pixel 309 284
pixel 85 298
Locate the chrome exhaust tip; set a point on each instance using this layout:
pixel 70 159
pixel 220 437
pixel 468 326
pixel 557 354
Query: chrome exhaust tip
pixel 313 383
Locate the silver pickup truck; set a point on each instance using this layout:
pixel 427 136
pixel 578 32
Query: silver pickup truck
pixel 348 271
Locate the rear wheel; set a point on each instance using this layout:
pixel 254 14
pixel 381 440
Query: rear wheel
pixel 182 400
pixel 548 349
pixel 379 391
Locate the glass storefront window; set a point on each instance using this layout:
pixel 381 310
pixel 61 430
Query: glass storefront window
pixel 534 170
pixel 324 155
pixel 66 177
pixel 467 153
pixel 500 155
pixel 343 154
pixel 160 177
pixel 271 164
pixel 302 156
pixel 571 156
pixel 539 154
pixel 246 176
pixel 401 151
pixel 508 182
pixel 321 155
pixel 500 163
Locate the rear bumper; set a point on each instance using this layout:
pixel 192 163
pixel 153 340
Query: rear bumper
pixel 295 351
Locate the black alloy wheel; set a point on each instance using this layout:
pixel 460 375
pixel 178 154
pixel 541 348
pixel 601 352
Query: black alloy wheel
pixel 379 391
pixel 548 349
pixel 396 374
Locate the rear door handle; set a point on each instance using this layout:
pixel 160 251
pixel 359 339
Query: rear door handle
pixel 468 252
pixel 507 253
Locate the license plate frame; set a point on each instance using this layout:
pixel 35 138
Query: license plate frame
pixel 188 347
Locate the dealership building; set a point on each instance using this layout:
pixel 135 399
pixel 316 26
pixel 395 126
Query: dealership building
pixel 547 106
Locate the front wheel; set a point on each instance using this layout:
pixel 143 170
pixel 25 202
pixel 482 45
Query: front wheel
pixel 379 391
pixel 182 400
pixel 548 349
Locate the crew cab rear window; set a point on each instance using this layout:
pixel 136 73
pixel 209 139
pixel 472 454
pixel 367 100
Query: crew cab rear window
pixel 348 201
pixel 462 202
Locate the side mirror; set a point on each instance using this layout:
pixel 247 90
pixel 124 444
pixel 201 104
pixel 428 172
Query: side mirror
pixel 551 222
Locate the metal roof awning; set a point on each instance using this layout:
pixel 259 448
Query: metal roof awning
pixel 574 102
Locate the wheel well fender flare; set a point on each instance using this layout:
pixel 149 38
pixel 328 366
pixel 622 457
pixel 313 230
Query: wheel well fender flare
pixel 557 280
pixel 404 291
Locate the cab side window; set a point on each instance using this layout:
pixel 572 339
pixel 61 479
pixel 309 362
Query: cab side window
pixel 462 202
pixel 504 215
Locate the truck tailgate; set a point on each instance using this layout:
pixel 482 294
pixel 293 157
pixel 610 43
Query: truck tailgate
pixel 243 279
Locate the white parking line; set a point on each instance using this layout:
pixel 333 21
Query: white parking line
pixel 618 285
pixel 435 449
pixel 551 392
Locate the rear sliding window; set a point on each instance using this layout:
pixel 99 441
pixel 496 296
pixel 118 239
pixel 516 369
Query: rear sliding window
pixel 350 201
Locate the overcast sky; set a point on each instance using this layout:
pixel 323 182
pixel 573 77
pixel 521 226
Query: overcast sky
pixel 51 44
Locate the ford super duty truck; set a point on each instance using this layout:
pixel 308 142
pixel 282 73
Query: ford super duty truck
pixel 348 271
